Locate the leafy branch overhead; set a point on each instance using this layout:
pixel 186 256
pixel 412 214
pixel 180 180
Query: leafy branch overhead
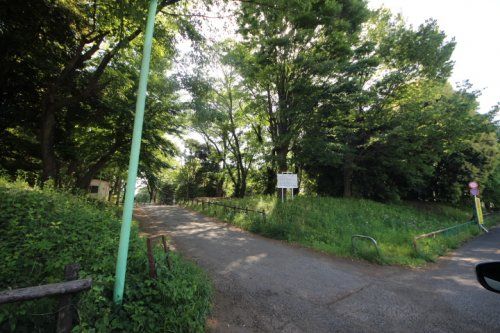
pixel 355 101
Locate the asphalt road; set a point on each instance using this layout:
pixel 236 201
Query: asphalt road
pixel 264 285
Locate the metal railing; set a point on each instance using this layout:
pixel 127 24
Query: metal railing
pixel 209 203
pixel 371 239
pixel 437 232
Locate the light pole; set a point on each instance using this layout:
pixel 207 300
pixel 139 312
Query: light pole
pixel 121 262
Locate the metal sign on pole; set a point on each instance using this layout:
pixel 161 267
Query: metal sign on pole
pixel 121 262
pixel 287 180
pixel 478 211
pixel 474 188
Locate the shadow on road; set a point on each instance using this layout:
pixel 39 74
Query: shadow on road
pixel 264 285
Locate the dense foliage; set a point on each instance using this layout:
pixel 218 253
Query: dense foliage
pixel 356 102
pixel 69 75
pixel 327 224
pixel 42 231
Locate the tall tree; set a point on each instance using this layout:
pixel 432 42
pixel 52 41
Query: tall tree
pixel 365 107
pixel 223 116
pixel 294 49
pixel 103 29
pixel 69 82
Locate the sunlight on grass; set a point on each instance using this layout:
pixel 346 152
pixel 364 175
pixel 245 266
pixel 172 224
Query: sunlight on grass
pixel 327 224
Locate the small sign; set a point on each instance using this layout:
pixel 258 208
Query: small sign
pixel 474 192
pixel 473 185
pixel 479 211
pixel 287 180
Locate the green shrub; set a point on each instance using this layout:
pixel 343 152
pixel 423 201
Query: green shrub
pixel 42 230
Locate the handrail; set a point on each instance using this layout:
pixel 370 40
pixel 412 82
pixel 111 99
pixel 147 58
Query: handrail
pixel 65 290
pixel 234 208
pixel 434 233
pixel 374 242
pixel 46 290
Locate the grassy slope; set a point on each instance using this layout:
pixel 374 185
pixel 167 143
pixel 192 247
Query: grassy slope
pixel 42 231
pixel 327 224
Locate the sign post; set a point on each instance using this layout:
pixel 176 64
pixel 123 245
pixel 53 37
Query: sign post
pixel 287 180
pixel 478 211
pixel 121 262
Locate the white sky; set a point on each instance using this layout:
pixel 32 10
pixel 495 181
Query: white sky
pixel 476 28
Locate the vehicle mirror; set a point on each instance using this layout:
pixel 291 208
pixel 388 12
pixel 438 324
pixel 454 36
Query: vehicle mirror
pixel 488 274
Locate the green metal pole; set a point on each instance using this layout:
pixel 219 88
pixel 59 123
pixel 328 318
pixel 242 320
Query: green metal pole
pixel 121 262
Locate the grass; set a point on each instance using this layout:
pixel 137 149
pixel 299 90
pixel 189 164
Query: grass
pixel 43 230
pixel 327 224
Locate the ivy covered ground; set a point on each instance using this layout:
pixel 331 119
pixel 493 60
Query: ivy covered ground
pixel 43 230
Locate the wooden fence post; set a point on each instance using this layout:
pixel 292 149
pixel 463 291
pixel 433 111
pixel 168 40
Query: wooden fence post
pixel 167 251
pixel 65 315
pixel 151 260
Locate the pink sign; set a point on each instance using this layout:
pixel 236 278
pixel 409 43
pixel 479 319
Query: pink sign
pixel 473 185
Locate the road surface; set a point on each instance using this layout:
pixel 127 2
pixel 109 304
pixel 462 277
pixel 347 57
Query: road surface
pixel 264 285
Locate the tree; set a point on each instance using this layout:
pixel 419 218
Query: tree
pixel 293 50
pixel 223 115
pixel 387 88
pixel 71 75
pixel 97 42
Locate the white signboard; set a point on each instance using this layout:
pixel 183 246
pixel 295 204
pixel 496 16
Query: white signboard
pixel 287 180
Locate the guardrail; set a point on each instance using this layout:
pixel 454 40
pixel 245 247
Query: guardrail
pixel 437 232
pixel 234 208
pixel 371 239
pixel 64 289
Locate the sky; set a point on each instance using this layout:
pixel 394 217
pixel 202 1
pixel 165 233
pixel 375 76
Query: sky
pixel 475 25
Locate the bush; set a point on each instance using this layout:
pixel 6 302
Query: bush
pixel 43 230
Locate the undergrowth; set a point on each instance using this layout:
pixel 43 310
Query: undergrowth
pixel 42 230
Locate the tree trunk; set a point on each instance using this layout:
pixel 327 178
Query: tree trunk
pixel 240 188
pixel 83 180
pixel 270 181
pixel 236 191
pixel 123 196
pixel 110 194
pixel 48 125
pixel 282 152
pixel 297 170
pixel 152 195
pixel 219 191
pixel 243 187
pixel 348 172
pixel 118 190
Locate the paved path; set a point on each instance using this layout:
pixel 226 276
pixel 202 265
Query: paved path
pixel 264 285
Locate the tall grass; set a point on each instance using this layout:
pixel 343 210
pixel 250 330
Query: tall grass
pixel 327 224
